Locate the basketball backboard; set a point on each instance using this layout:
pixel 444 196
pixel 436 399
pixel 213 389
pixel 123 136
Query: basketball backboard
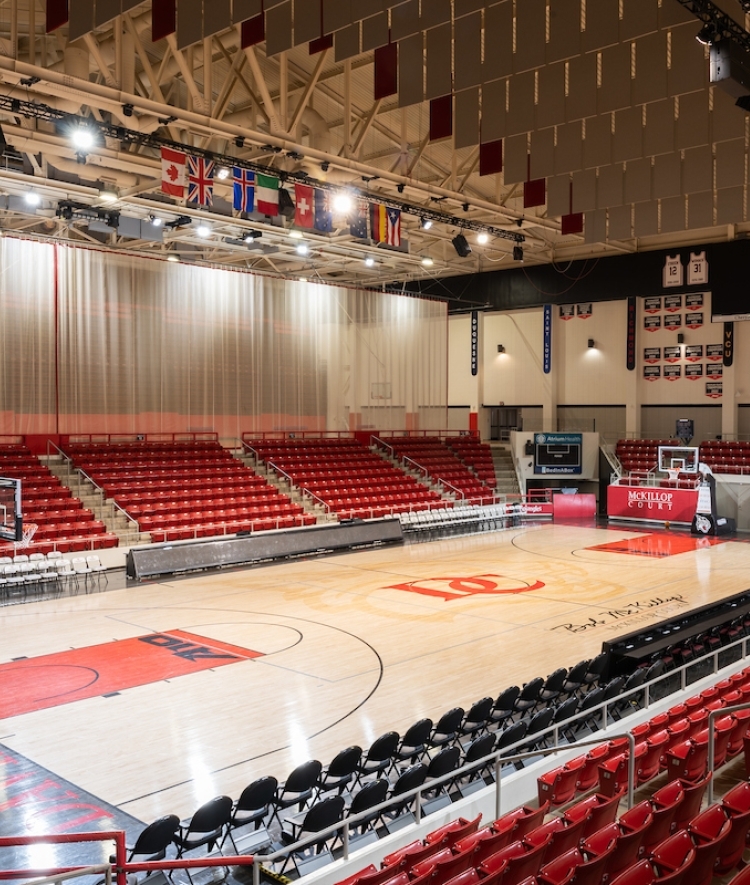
pixel 11 513
pixel 679 459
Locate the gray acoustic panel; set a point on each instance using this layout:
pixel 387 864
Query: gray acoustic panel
pixel 700 210
pixel 268 4
pixel 698 170
pixel 614 91
pixel 639 17
pixel 689 68
pixel 217 17
pixel 595 226
pixel 659 133
pixel 558 195
pixel 602 24
pixel 127 5
pixel 646 219
pixel 610 187
pixel 435 12
pixel 672 214
pixel 498 41
pixel 279 29
pixel 493 110
pixel 81 19
pixel 439 75
pixel 692 122
pixel 374 31
pixel 362 9
pixel 336 14
pixel 650 82
pixel 673 14
pixel 467 39
pixel 597 148
pixel 729 202
pixel 542 153
pixel 520 103
pixel 638 181
pixel 730 163
pixel 564 29
pixel 405 20
pixel 584 190
pixel 464 7
pixel 174 558
pixel 105 11
pixel 620 223
pixel 727 120
pixel 531 18
pixel 666 180
pixel 628 138
pixel 569 148
pixel 244 9
pixel 581 98
pixel 410 71
pixel 515 159
pixel 550 107
pixel 466 118
pixel 346 42
pixel 189 22
pixel 307 21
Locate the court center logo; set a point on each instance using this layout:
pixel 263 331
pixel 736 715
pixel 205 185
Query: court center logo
pixel 464 587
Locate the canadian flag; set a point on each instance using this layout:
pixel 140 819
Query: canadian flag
pixel 173 177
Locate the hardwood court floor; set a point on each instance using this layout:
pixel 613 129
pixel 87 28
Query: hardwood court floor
pixel 348 646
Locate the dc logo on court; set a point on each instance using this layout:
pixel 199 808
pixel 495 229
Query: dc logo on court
pixel 463 588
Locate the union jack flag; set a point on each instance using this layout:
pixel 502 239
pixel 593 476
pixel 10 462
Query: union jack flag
pixel 200 181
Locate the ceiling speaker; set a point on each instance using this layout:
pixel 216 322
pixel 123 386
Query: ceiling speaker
pixel 461 245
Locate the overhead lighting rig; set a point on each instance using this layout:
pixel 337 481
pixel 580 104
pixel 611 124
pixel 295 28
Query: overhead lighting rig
pixel 69 210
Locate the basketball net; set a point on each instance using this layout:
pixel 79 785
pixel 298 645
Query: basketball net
pixel 673 474
pixel 29 530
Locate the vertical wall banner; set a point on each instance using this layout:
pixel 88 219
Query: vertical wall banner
pixel 728 344
pixel 547 339
pixel 630 341
pixel 474 342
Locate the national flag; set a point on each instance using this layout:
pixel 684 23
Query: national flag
pixel 323 215
pixel 378 223
pixel 358 220
pixel 266 194
pixel 244 190
pixel 200 181
pixel 393 227
pixel 173 172
pixel 304 201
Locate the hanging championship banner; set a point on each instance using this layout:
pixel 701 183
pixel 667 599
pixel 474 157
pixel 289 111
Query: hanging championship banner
pixel 474 342
pixel 714 371
pixel 714 351
pixel 651 354
pixel 672 303
pixel 567 311
pixel 728 344
pixel 714 389
pixel 672 373
pixel 630 339
pixel 584 311
pixel 652 373
pixel 694 371
pixel 547 339
pixel 694 300
pixel 673 322
pixel 694 320
pixel 673 353
pixel 652 305
pixel 652 324
pixel 693 352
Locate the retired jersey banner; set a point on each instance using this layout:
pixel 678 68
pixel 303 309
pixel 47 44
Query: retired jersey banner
pixel 694 320
pixel 673 353
pixel 694 371
pixel 694 352
pixel 714 371
pixel 694 300
pixel 714 389
pixel 728 344
pixel 714 351
pixel 474 342
pixel 547 361
pixel 630 334
pixel 652 305
pixel 652 324
pixel 672 373
pixel 672 303
pixel 652 373
pixel 651 354
pixel 673 322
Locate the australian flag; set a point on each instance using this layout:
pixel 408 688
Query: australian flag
pixel 358 220
pixel 244 190
pixel 323 217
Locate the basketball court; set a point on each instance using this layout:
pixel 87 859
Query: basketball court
pixel 155 697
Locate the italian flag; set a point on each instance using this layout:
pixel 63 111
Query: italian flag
pixel 266 195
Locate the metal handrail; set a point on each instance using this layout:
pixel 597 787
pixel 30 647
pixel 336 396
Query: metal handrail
pixel 712 717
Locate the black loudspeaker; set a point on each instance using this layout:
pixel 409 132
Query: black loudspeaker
pixel 461 245
pixel 680 338
pixel 286 203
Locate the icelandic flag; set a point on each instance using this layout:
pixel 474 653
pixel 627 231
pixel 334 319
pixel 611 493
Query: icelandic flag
pixel 244 190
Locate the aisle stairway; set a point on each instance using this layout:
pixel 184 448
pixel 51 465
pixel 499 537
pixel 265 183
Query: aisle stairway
pixel 507 481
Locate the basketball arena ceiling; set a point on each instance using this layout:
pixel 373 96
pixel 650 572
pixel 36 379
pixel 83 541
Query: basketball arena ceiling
pixel 599 115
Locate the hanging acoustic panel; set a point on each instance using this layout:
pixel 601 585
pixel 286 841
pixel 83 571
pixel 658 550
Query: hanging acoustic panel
pixel 730 163
pixel 564 30
pixel 550 108
pixel 467 41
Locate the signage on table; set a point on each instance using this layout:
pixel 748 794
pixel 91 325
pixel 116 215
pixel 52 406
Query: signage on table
pixel 652 304
pixel 694 320
pixel 652 324
pixel 673 322
pixel 652 354
pixel 672 373
pixel 694 352
pixel 693 300
pixel 714 351
pixel 652 373
pixel 672 354
pixel 694 371
pixel 714 389
pixel 714 371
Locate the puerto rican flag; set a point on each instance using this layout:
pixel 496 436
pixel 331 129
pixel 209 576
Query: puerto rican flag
pixel 393 227
pixel 173 172
pixel 200 181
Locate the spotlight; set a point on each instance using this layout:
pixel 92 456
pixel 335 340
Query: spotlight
pixel 223 173
pixel 425 223
pixel 32 198
pixel 400 188
pixel 302 249
pixel 239 141
pixel 295 155
pixel 295 234
pixel 342 203
pixel 29 81
pixel 108 195
pixel 165 121
pixel 82 138
pixel 203 230
pixel 592 343
pixel 482 238
pixel 253 235
pixel 427 261
pixel 172 257
pixel 708 34
pixel 461 245
pixel 369 261
pixel 465 207
pixel 155 220
pixel 127 110
pixel 518 253
pixel 325 166
pixel 501 348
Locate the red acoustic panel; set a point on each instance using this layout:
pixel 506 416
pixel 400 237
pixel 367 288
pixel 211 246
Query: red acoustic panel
pixel 491 157
pixel 441 117
pixel 386 71
pixel 325 42
pixel 572 223
pixel 534 193
pixel 57 14
pixel 163 19
pixel 253 31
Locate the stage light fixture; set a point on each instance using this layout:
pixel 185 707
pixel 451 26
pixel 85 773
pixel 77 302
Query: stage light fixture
pixel 592 343
pixel 127 110
pixel 461 245
pixel 302 249
pixel 425 223
pixel 325 166
pixel 708 34
pixel 427 261
pixel 108 195
pixel 172 257
pixel 82 138
pixel 501 348
pixel 482 238
pixel 203 230
pixel 400 188
pixel 342 204
pixel 32 198
pixel 518 253
pixel 369 261
pixel 239 141
pixel 155 220
pixel 223 173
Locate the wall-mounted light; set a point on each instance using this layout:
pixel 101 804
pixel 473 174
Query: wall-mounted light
pixel 680 338
pixel 501 348
pixel 592 343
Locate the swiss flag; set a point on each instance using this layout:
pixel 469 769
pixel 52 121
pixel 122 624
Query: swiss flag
pixel 304 199
pixel 173 178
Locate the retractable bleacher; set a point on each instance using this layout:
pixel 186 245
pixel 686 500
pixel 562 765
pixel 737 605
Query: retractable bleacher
pixel 726 456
